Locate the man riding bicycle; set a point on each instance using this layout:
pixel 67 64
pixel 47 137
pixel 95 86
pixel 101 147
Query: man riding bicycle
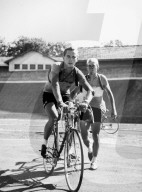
pixel 62 78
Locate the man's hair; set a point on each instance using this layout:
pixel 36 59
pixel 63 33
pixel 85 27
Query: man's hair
pixel 70 49
pixel 93 60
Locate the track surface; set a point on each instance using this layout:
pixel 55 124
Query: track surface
pixel 21 168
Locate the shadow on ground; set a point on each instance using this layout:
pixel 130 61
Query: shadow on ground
pixel 27 176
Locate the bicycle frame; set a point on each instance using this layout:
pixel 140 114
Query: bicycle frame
pixel 73 118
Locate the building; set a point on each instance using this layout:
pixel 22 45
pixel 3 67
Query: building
pixel 30 61
pixel 122 61
pixel 4 66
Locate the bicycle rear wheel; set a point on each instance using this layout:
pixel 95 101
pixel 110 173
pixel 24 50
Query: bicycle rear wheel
pixel 48 162
pixel 73 161
pixel 110 125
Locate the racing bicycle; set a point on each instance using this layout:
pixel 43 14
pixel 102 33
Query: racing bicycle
pixel 71 142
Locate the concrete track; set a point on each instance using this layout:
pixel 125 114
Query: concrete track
pixel 21 168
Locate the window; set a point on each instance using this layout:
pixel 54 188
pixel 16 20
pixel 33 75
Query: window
pixel 32 66
pixel 47 66
pixel 40 67
pixel 17 66
pixel 24 66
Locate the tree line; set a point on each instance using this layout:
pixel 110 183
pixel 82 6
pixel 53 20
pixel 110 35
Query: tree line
pixel 25 44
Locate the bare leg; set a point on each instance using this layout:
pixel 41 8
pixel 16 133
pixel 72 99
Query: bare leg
pixel 52 114
pixel 84 126
pixel 95 133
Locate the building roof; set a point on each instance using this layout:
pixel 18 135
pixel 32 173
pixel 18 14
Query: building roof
pixel 106 53
pixel 8 60
pixel 60 59
pixel 2 61
pixel 101 53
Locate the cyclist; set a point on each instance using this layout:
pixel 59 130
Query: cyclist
pixel 62 77
pixel 99 84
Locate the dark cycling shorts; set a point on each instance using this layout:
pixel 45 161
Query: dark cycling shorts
pixel 87 116
pixel 49 98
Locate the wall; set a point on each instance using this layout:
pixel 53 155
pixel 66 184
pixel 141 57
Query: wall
pixel 112 69
pixel 24 76
pixel 117 68
pixel 3 69
pixel 27 97
pixel 16 98
pixel 30 58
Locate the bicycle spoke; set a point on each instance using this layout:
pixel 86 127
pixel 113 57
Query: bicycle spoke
pixel 74 161
pixel 48 162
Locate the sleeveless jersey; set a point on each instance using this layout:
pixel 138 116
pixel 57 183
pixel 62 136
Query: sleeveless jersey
pixel 65 82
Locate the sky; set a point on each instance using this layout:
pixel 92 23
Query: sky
pixel 83 22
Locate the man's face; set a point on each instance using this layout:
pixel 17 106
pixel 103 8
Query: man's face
pixel 70 58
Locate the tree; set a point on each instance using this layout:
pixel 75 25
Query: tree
pixel 57 49
pixel 24 44
pixel 3 47
pixel 110 44
pixel 115 43
pixel 118 43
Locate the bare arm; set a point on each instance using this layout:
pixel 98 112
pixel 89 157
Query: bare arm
pixel 88 89
pixel 112 100
pixel 56 87
pixel 89 95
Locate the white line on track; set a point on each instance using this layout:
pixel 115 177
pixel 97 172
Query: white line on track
pixel 125 78
pixel 7 139
pixel 111 79
pixel 23 81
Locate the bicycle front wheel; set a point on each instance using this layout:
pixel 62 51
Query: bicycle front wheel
pixel 48 161
pixel 110 125
pixel 73 161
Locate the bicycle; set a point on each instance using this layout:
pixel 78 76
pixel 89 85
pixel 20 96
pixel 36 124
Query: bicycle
pixel 109 125
pixel 73 150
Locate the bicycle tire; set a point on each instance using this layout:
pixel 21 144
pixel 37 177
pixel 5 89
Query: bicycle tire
pixel 110 125
pixel 73 161
pixel 48 161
